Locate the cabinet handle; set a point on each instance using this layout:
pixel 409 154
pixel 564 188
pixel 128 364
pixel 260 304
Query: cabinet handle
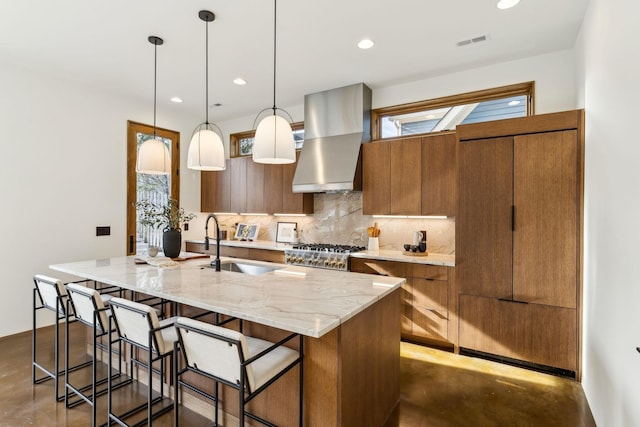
pixel 512 300
pixel 130 244
pixel 513 218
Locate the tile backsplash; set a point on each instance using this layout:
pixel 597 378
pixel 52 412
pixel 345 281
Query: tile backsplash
pixel 338 219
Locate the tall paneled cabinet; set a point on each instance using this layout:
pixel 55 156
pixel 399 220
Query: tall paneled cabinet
pixel 519 239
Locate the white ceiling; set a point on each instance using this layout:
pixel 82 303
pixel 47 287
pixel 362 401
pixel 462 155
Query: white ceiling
pixel 104 44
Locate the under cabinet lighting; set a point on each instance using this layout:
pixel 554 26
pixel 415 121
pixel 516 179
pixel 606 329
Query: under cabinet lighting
pixel 226 213
pixel 286 214
pixel 411 216
pixel 253 214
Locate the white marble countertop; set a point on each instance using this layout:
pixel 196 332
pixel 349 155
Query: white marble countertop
pixel 309 301
pixel 382 254
pixel 389 255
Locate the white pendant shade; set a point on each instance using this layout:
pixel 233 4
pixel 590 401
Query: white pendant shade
pixel 273 142
pixel 153 158
pixel 206 151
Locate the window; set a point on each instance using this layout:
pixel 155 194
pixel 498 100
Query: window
pixel 446 113
pixel 241 143
pixel 155 188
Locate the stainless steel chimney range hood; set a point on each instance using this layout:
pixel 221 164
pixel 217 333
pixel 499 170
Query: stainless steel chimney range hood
pixel 336 123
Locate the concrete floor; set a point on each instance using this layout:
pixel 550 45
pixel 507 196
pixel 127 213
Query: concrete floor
pixel 440 389
pixel 437 389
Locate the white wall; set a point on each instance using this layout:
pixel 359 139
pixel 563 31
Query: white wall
pixel 63 167
pixel 554 74
pixel 609 51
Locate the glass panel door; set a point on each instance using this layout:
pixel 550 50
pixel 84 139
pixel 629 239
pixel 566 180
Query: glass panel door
pixel 157 189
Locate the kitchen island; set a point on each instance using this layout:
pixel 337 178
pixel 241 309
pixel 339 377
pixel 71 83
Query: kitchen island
pixel 351 325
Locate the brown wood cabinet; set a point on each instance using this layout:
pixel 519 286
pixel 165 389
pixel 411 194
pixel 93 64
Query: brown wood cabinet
pixel 256 187
pixel 215 190
pixel 296 203
pixel 406 173
pixel 439 175
pixel 519 239
pixel 238 252
pixel 238 172
pixel 410 176
pixel 424 296
pixel 246 186
pixel 536 333
pixel 376 178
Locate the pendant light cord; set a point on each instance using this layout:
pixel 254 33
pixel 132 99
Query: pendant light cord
pixel 155 84
pixel 275 13
pixel 206 73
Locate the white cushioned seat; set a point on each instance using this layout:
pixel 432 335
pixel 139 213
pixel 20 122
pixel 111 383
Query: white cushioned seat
pixel 218 358
pixel 223 354
pixel 136 328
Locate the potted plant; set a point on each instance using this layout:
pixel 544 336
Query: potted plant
pixel 168 217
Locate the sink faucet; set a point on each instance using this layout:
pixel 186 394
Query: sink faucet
pixel 215 263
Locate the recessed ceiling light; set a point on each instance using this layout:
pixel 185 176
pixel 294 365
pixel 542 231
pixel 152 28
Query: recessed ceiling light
pixel 176 99
pixel 507 4
pixel 240 81
pixel 365 44
pixel 513 103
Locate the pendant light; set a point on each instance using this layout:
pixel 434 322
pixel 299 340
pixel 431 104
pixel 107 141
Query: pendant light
pixel 153 155
pixel 273 141
pixel 206 150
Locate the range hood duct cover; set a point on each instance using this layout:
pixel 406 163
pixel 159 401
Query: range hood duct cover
pixel 336 123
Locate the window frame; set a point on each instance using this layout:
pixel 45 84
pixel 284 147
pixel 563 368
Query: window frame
pixel 518 89
pixel 132 155
pixel 234 139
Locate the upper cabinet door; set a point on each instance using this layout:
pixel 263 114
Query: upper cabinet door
pixel 215 190
pixel 273 188
pixel 439 175
pixel 546 218
pixel 239 183
pixel 295 203
pixel 376 178
pixel 255 187
pixel 484 246
pixel 406 177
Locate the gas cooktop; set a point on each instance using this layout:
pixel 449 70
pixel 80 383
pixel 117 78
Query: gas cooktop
pixel 321 255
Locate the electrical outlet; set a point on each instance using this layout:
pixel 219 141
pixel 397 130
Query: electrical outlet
pixel 103 230
pixel 186 226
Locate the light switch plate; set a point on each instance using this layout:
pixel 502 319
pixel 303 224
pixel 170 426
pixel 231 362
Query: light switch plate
pixel 103 230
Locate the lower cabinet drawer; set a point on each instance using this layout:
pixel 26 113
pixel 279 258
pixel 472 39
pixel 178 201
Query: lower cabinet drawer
pixel 432 294
pixel 534 333
pixel 428 323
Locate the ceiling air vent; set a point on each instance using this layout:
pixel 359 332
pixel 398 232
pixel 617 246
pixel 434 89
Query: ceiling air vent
pixel 473 40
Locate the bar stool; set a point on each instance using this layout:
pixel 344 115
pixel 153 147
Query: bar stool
pixel 52 295
pixel 89 308
pixel 138 325
pixel 244 363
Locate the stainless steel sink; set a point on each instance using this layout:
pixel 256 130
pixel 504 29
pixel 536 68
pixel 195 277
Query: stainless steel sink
pixel 245 267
